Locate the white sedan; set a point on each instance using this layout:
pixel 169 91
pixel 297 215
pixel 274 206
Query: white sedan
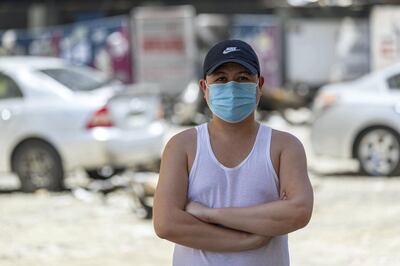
pixel 56 117
pixel 361 120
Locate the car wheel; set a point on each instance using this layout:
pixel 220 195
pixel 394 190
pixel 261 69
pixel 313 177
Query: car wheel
pixel 38 165
pixel 378 151
pixel 105 172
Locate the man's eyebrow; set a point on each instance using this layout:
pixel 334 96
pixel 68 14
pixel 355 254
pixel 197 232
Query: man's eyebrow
pixel 218 72
pixel 221 72
pixel 245 72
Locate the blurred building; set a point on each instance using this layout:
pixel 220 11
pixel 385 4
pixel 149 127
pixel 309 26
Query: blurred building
pixel 31 13
pixel 310 42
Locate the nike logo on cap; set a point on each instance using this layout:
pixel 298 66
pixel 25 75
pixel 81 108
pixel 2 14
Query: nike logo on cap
pixel 230 49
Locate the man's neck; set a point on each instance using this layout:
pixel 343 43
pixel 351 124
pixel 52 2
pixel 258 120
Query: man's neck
pixel 246 127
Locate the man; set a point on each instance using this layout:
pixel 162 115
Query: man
pixel 231 190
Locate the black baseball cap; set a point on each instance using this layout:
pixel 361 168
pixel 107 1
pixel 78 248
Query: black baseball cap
pixel 235 51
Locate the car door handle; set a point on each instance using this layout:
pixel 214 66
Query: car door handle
pixel 5 114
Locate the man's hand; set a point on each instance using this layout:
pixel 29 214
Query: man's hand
pixel 205 214
pixel 199 211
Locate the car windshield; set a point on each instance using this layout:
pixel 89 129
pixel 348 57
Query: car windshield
pixel 78 78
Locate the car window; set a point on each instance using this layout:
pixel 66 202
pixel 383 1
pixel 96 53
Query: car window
pixel 394 82
pixel 78 78
pixel 8 88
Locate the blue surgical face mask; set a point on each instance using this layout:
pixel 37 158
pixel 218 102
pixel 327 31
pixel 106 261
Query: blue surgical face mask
pixel 232 101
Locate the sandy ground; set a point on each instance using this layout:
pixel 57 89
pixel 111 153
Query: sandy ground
pixel 355 222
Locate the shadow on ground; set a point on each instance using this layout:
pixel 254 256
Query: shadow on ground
pixel 9 190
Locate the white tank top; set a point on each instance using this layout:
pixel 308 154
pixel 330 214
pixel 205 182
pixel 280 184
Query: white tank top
pixel 252 182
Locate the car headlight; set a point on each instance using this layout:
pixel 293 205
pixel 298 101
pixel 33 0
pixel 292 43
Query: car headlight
pixel 325 100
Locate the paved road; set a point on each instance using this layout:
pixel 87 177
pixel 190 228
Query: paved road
pixel 355 222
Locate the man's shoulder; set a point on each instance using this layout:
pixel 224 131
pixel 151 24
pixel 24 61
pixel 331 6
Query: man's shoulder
pixel 285 140
pixel 183 140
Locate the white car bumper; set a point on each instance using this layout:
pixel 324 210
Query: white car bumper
pixel 133 147
pixel 331 135
pixel 114 146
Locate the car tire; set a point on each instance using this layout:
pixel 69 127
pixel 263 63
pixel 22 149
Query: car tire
pixel 38 166
pixel 378 152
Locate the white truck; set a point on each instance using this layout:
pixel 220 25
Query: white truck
pixel 320 50
pixel 164 46
pixel 385 36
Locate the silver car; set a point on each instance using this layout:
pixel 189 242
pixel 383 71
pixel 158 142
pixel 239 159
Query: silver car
pixel 56 117
pixel 361 120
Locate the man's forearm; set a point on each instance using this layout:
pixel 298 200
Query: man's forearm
pixel 270 219
pixel 184 229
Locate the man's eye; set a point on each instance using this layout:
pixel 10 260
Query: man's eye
pixel 243 78
pixel 221 79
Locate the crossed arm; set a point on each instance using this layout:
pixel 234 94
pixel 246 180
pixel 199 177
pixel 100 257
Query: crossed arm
pixel 290 213
pixel 172 222
pixel 195 226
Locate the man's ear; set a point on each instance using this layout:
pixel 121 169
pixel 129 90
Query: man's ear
pixel 260 82
pixel 259 92
pixel 203 86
